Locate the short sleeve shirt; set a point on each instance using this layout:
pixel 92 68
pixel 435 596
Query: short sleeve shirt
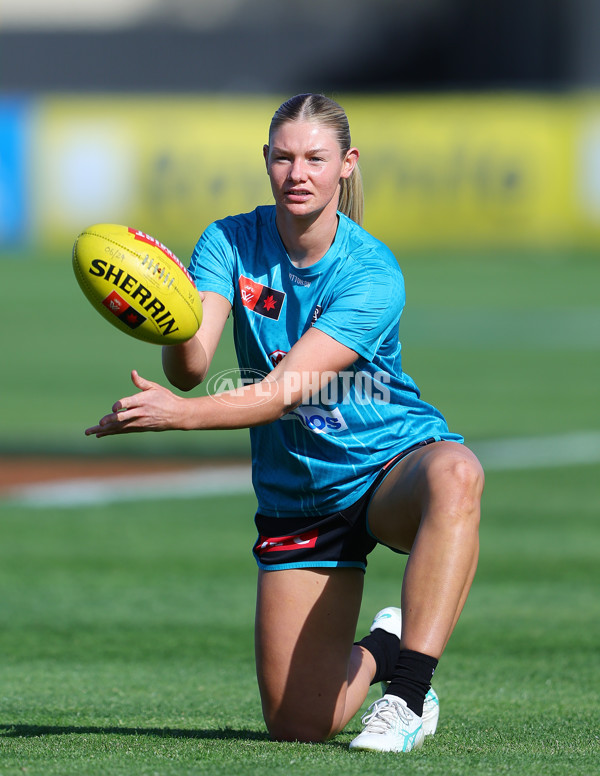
pixel 322 456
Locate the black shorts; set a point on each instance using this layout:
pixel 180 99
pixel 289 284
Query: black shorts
pixel 340 539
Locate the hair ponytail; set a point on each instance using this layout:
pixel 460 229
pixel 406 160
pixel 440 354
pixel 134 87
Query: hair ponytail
pixel 317 107
pixel 351 201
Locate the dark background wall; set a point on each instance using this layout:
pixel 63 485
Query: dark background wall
pixel 264 46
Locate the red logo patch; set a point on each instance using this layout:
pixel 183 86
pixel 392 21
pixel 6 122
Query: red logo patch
pixel 280 543
pixel 261 299
pixel 276 356
pixel 119 307
pixel 115 303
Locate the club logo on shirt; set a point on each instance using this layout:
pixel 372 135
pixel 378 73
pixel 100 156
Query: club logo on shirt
pixel 316 313
pixel 276 356
pixel 261 299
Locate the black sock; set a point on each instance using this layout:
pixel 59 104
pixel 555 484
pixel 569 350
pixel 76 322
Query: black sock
pixel 412 678
pixel 385 648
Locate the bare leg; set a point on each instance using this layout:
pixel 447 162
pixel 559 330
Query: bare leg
pixel 429 505
pixel 312 680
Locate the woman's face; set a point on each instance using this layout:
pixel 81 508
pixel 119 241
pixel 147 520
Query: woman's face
pixel 305 164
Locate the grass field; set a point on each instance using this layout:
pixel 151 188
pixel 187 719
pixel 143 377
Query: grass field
pixel 127 643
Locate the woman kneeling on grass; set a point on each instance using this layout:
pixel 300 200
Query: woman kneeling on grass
pixel 345 454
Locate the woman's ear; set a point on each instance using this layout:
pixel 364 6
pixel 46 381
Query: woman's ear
pixel 350 162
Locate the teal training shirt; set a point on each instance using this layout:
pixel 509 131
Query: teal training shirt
pixel 322 456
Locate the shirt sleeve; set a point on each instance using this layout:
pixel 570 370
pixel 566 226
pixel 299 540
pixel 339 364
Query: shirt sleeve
pixel 366 305
pixel 212 262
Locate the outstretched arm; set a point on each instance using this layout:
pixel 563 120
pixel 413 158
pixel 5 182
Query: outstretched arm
pixel 309 366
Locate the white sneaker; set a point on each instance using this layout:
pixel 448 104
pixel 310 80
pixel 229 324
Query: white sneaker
pixel 431 712
pixel 431 709
pixel 388 619
pixel 390 726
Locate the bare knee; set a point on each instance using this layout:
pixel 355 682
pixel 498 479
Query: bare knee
pixel 468 477
pixel 286 728
pixel 456 484
pixel 307 717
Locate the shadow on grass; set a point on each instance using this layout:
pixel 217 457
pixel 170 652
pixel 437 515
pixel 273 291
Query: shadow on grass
pixel 32 731
pixel 227 734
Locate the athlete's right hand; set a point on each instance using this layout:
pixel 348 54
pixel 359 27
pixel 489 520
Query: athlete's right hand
pixel 154 408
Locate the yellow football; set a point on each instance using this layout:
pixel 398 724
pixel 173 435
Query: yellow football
pixel 137 284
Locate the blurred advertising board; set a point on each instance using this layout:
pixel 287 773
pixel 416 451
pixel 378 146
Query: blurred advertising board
pixel 15 124
pixel 166 166
pixel 462 171
pixel 446 171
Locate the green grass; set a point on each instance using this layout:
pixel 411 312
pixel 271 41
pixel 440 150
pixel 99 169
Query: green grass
pixel 127 647
pixel 126 640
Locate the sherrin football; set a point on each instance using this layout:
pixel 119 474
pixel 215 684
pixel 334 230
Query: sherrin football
pixel 137 284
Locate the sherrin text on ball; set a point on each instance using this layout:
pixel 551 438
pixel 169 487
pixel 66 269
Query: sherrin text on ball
pixel 137 284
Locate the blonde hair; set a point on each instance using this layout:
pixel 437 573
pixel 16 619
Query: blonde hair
pixel 317 107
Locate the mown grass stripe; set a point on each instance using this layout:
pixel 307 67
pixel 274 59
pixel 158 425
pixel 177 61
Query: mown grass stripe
pixel 542 452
